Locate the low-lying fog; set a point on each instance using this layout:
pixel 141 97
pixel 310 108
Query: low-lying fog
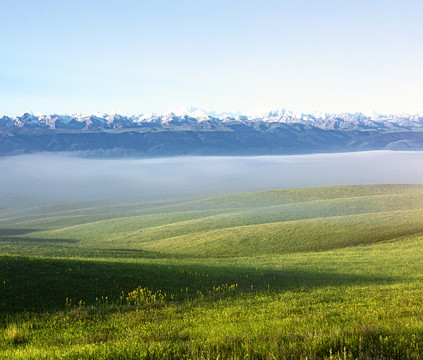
pixel 57 177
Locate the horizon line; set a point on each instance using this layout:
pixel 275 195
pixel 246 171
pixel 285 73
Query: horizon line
pixel 216 114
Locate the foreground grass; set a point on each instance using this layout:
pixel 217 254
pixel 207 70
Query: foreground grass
pixel 341 279
pixel 363 322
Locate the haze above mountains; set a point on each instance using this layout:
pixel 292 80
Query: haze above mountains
pixel 192 131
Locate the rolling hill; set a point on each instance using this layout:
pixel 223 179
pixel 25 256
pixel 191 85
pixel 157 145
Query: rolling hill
pixel 322 273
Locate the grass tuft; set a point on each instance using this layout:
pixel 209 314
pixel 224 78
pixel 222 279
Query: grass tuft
pixel 15 335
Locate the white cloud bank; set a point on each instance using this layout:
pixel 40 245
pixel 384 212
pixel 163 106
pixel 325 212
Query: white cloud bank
pixel 56 177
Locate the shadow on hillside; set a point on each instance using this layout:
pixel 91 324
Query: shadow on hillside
pixel 140 254
pixel 10 235
pixel 35 284
pixel 14 232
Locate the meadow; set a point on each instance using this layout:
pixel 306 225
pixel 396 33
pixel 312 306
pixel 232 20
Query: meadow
pixel 312 273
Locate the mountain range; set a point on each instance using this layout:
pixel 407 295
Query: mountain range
pixel 194 116
pixel 192 131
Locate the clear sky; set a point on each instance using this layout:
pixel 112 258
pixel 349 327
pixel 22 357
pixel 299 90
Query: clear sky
pixel 140 56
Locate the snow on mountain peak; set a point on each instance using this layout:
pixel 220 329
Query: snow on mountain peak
pixel 189 111
pixel 189 115
pixel 225 114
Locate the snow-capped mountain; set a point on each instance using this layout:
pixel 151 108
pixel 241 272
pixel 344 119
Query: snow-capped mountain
pixel 192 131
pixel 195 116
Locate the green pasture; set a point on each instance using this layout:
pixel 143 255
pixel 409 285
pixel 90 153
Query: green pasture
pixel 315 273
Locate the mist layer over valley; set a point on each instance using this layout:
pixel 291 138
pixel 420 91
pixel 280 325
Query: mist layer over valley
pixel 46 177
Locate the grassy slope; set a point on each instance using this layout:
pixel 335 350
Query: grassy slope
pixel 312 270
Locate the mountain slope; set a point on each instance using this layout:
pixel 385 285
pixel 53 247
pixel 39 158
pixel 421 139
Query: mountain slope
pixel 194 116
pixel 192 131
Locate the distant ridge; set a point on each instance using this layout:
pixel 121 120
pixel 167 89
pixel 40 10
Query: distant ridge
pixel 192 131
pixel 195 116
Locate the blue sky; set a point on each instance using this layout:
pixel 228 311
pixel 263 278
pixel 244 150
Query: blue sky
pixel 251 56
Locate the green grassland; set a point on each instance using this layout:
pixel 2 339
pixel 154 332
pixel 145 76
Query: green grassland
pixel 316 273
